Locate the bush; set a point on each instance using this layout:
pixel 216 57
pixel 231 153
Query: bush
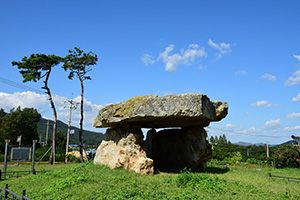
pixel 287 156
pixel 256 162
pixel 236 158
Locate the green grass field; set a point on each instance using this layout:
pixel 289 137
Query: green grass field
pixel 89 181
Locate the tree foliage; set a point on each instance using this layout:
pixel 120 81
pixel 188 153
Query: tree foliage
pixel 19 122
pixel 224 150
pixel 37 66
pixel 221 147
pixel 287 156
pixel 79 63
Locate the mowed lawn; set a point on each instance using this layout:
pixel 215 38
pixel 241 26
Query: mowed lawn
pixel 89 181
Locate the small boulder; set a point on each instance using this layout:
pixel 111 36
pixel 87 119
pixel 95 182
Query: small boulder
pixel 124 147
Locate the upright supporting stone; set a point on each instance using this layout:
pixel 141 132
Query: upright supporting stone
pixel 124 147
pixel 179 148
pixel 151 144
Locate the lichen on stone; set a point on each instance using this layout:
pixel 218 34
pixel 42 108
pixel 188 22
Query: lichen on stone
pixel 127 107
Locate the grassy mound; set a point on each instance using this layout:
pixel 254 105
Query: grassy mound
pixel 89 181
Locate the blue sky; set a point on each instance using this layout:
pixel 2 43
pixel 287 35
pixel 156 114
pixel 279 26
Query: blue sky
pixel 246 53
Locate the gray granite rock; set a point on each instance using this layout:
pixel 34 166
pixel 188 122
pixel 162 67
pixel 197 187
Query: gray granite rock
pixel 151 111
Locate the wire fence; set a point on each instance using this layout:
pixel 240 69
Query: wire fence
pixel 7 194
pixel 17 174
pixel 290 179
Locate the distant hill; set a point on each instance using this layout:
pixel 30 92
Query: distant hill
pixel 243 143
pixel 248 144
pixel 286 143
pixel 261 144
pixel 88 137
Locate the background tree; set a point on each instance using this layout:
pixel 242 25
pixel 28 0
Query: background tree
pixel 79 64
pixel 37 67
pixel 286 156
pixel 19 123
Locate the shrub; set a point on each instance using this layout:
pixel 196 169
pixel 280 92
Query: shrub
pixel 255 161
pixel 235 158
pixel 287 156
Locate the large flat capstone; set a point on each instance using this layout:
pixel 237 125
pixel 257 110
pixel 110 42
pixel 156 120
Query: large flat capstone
pixel 151 111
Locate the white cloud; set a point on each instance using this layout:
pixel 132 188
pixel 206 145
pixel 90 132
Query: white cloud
pixel 243 72
pixel 41 103
pixel 297 56
pixel 148 59
pixel 272 124
pixel 186 56
pixel 264 103
pixel 231 126
pixel 90 111
pixel 224 48
pixel 293 116
pixel 268 77
pixel 24 99
pixel 297 98
pixel 294 79
pixel 295 128
pixel 253 130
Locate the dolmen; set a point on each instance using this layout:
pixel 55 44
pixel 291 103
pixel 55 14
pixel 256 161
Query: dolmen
pixel 176 137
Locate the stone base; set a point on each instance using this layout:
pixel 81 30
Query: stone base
pixel 124 147
pixel 166 149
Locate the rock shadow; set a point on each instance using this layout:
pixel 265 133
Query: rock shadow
pixel 210 170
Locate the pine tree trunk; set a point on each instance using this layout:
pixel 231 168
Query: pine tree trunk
pixel 52 154
pixel 81 121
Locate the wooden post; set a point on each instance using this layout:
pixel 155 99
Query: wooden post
pixel 267 149
pixel 6 192
pixel 5 159
pixel 33 153
pixel 23 194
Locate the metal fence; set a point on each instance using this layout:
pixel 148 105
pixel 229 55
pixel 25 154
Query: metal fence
pixel 16 174
pixel 7 194
pixel 290 179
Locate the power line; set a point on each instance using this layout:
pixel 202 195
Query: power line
pixel 21 86
pixel 249 134
pixel 18 85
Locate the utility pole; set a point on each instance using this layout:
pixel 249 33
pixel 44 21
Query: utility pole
pixel 73 105
pixel 267 149
pixel 47 132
